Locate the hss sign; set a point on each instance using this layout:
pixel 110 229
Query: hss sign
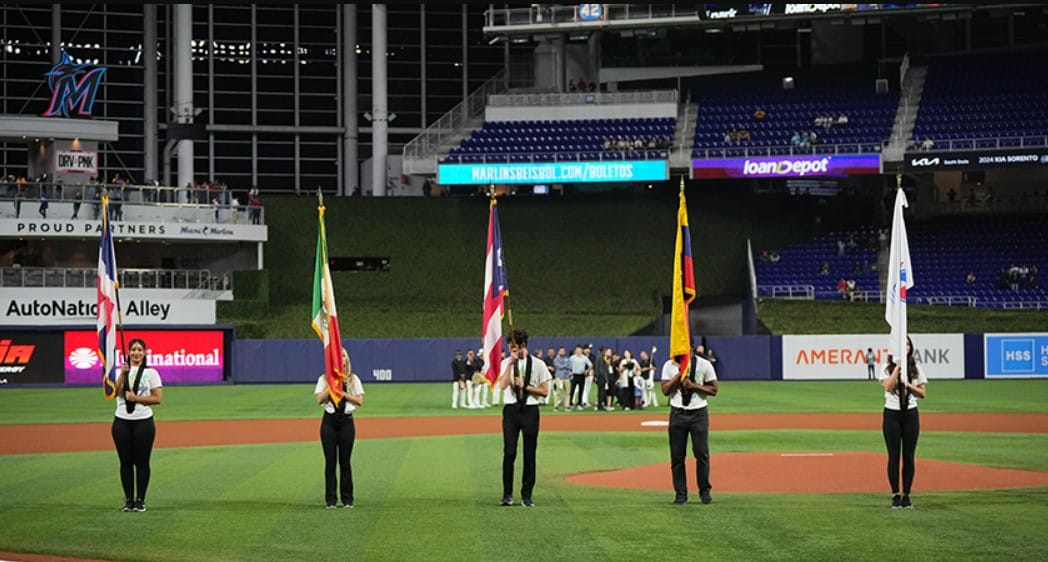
pixel 81 161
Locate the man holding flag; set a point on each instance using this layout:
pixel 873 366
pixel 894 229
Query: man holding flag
pixel 687 378
pixel 903 380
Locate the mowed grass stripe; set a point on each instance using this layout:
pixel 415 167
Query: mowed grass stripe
pixel 22 405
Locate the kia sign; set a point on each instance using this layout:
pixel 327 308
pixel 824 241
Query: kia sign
pixel 975 160
pixel 1016 355
pixel 841 357
pixel 554 172
pixel 30 357
pixel 180 356
pixel 77 161
pixel 838 165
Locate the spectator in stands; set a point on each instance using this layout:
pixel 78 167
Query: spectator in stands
pixel 744 134
pixel 774 257
pixel 760 114
pixel 43 203
pixel 825 269
pixel 254 204
pixel 812 138
pixel 951 195
pixel 1002 279
pixel 842 119
pixel 19 195
pixel 970 278
pixel 854 293
pixel 927 144
pixel 840 248
pixel 1013 277
pixel 842 288
pixel 853 244
pixel 1031 280
pixel 78 198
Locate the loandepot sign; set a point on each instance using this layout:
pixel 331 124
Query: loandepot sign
pixel 74 87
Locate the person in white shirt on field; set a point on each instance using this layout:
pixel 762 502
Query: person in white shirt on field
pixel 689 415
pixel 902 428
pixel 524 381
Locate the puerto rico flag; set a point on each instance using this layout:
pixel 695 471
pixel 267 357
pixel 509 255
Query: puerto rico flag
pixel 683 290
pixel 325 316
pixel 900 279
pixel 496 289
pixel 107 304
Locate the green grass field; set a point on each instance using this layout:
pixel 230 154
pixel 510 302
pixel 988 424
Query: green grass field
pixel 434 498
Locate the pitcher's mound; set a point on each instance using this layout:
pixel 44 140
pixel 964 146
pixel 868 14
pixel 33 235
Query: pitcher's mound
pixel 814 473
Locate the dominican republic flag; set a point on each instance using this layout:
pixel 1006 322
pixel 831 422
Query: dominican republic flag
pixel 900 279
pixel 325 317
pixel 107 304
pixel 683 291
pixel 496 289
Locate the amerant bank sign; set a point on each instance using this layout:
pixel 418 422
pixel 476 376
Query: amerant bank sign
pixel 838 165
pixel 842 357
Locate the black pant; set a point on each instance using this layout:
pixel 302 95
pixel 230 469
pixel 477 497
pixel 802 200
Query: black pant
pixel 517 420
pixel 901 432
pixel 577 382
pixel 337 434
pixel 602 392
pixel 697 424
pixel 134 445
pixel 870 372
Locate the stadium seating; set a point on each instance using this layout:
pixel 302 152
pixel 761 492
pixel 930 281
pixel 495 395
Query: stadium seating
pixel 564 140
pixel 870 118
pixel 943 252
pixel 981 97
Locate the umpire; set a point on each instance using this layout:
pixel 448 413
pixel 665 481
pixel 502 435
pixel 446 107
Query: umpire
pixel 689 416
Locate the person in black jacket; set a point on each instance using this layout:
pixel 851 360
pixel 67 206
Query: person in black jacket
pixel 459 374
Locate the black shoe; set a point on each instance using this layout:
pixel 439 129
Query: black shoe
pixel 129 505
pixel 526 502
pixel 139 505
pixel 506 500
pixel 705 496
pixel 680 501
pixel 905 503
pixel 896 501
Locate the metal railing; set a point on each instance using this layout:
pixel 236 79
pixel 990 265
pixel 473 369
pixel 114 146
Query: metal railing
pixel 136 202
pixel 1030 305
pixel 129 278
pixel 532 157
pixel 428 142
pixel 545 14
pixel 583 98
pixel 786 150
pixel 796 292
pixel 1029 141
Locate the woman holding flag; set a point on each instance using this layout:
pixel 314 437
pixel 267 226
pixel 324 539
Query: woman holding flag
pixel 139 389
pixel 902 427
pixel 338 432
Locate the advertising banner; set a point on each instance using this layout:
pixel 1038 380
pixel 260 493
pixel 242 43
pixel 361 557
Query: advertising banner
pixel 839 165
pixel 554 172
pixel 130 230
pixel 180 356
pixel 31 357
pixel 79 307
pixel 842 357
pixel 1016 355
pixel 975 159
pixel 78 161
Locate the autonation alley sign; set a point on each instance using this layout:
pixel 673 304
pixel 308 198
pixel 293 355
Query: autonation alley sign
pixel 78 307
pixel 57 228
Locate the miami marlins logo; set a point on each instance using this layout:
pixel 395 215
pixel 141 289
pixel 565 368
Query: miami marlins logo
pixel 73 87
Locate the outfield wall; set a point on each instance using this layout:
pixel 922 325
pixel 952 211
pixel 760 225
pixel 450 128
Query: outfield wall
pixel 67 355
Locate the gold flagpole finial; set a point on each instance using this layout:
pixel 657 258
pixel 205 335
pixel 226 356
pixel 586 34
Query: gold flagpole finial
pixel 320 196
pixel 491 190
pixel 898 179
pixel 682 183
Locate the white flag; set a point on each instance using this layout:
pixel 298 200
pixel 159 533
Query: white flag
pixel 900 279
